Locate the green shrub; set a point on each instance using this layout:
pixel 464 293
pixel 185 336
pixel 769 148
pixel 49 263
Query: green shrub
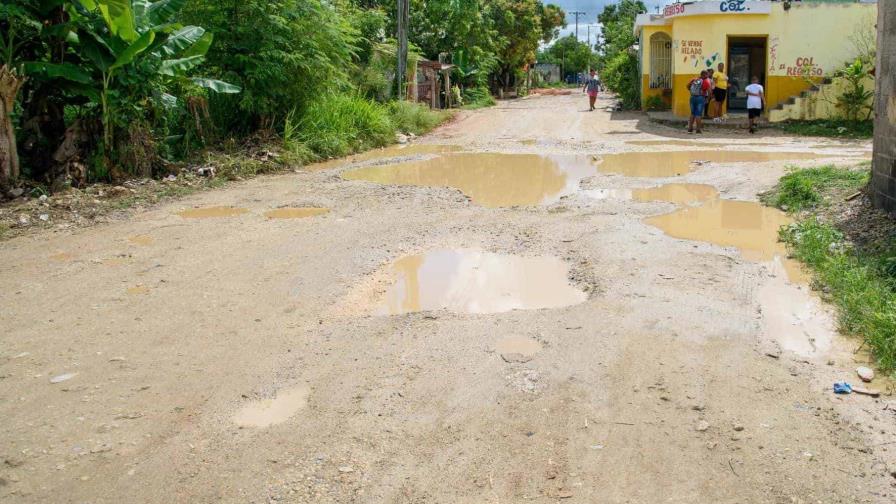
pixel 621 75
pixel 655 103
pixel 336 125
pixel 801 189
pixel 477 97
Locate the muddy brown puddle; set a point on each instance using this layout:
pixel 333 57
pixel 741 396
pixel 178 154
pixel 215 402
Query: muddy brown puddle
pixel 295 213
pixel 489 179
pixel 212 212
pixel 750 227
pixel 682 194
pixel 675 163
pixel 393 151
pixel 471 281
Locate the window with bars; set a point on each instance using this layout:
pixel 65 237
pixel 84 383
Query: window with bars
pixel 660 61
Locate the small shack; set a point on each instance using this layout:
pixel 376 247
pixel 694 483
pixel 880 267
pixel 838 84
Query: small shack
pixel 430 81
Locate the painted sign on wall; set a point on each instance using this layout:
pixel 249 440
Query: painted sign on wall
pixel 805 67
pixel 732 6
pixel 709 7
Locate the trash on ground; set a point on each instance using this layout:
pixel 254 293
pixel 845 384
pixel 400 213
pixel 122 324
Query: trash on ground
pixel 842 388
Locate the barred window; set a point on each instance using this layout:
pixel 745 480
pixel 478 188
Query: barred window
pixel 660 61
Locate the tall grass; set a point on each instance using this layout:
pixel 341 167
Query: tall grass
pixel 415 118
pixel 336 125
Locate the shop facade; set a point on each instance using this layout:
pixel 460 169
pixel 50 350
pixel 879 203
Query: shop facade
pixel 789 46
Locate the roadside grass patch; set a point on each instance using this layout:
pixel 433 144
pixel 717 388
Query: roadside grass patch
pixel 849 246
pixel 861 283
pixel 337 125
pixel 836 128
pixel 416 118
pixel 805 188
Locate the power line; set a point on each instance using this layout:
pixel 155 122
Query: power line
pixel 577 14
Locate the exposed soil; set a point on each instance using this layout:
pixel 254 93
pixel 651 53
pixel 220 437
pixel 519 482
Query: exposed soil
pixel 163 358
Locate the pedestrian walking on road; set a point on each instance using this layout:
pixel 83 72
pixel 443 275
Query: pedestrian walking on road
pixel 699 88
pixel 755 102
pixel 592 85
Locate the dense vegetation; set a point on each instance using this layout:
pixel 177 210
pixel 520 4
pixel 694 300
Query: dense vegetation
pixel 108 89
pixel 853 260
pixel 619 60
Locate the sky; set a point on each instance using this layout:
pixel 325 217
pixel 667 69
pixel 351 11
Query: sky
pixel 591 8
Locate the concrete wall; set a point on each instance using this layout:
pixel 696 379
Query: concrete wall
pixel 883 180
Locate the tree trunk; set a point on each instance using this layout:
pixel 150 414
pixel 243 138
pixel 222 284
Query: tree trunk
pixel 10 83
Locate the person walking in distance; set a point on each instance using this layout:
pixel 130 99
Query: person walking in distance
pixel 719 93
pixel 755 102
pixel 592 85
pixel 699 89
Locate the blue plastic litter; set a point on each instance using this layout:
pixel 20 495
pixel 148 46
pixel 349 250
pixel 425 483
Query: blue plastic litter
pixel 842 388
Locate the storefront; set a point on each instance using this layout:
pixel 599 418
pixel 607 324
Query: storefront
pixel 787 45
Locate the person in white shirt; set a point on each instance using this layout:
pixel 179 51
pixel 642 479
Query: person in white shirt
pixel 755 102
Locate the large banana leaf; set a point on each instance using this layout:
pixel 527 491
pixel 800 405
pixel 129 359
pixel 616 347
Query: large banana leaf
pixel 216 85
pixel 162 11
pixel 119 18
pixel 182 39
pixel 96 50
pixel 58 70
pixel 137 47
pixel 173 67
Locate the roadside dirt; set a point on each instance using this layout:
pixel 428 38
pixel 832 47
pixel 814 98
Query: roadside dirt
pixel 240 358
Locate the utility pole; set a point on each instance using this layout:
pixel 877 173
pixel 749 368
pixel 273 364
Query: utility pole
pixel 577 14
pixel 402 21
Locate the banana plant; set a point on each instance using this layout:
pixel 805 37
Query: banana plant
pixel 139 36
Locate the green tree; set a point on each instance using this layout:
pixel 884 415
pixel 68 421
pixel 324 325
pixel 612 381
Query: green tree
pixel 618 59
pixel 572 55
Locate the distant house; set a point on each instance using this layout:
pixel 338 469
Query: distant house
pixel 793 47
pixel 549 73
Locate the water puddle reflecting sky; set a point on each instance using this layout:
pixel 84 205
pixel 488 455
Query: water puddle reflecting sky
pixel 471 281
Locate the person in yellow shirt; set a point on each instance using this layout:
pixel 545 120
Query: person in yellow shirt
pixel 719 92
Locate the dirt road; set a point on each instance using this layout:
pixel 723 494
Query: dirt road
pixel 242 358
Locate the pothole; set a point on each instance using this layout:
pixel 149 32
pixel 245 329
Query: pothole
pixel 212 212
pixel 517 348
pixel 489 179
pixel 390 152
pixel 279 409
pixel 675 163
pixel 682 194
pixel 295 213
pixel 470 281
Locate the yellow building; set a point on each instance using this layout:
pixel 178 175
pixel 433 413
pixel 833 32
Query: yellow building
pixel 788 45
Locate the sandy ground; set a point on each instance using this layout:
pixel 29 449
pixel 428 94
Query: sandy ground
pixel 657 388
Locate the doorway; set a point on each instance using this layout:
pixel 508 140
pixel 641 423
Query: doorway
pixel 746 58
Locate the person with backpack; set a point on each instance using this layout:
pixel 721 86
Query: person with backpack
pixel 699 89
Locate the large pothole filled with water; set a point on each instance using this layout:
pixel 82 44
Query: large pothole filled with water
pixel 489 179
pixel 472 281
pixel 674 163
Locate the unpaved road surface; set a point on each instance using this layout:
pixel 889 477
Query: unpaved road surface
pixel 669 379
